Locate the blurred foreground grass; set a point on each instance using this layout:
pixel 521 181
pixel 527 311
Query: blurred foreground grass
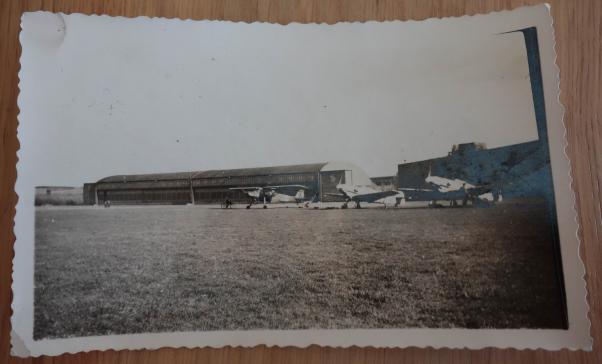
pixel 177 268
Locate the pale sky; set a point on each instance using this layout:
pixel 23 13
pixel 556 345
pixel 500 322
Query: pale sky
pixel 103 96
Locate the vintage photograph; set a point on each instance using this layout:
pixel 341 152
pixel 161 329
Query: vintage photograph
pixel 208 176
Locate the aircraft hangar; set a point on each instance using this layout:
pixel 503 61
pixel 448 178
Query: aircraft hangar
pixel 517 170
pixel 215 186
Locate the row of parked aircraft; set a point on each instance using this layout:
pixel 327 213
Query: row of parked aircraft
pixel 440 189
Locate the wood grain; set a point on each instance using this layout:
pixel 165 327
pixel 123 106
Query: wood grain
pixel 579 40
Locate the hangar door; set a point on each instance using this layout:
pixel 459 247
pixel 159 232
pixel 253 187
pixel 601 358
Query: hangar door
pixel 329 181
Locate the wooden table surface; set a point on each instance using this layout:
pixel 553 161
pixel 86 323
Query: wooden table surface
pixel 579 39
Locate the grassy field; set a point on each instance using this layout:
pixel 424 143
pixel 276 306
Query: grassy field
pixel 175 268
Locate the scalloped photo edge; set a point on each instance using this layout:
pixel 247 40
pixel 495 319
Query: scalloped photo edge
pixel 575 337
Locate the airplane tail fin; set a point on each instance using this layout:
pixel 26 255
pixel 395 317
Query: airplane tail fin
pixel 340 183
pixel 300 195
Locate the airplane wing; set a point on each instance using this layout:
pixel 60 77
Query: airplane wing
pixel 421 194
pixel 273 188
pixel 335 195
pixel 289 190
pixel 296 191
pixel 246 188
pixel 372 197
pixel 479 190
pixel 297 187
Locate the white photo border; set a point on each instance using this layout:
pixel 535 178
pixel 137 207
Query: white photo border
pixel 576 337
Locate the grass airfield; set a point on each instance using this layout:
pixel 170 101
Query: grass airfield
pixel 135 269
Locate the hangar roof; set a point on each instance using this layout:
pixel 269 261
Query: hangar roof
pixel 146 177
pixel 260 171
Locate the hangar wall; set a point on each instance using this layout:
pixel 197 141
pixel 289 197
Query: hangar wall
pixel 214 186
pixel 519 170
pixel 522 169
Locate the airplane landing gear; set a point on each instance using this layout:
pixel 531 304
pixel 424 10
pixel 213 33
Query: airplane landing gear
pixel 434 204
pixel 265 206
pixel 345 205
pixel 357 205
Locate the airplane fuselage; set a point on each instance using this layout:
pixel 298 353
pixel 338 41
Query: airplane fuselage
pixel 446 189
pixel 358 194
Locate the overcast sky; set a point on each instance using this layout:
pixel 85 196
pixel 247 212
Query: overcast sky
pixel 103 96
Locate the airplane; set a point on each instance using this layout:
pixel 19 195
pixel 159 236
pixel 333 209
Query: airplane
pixel 267 193
pixel 442 188
pixel 358 194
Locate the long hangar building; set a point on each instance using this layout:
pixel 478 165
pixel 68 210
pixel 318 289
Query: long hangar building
pixel 214 186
